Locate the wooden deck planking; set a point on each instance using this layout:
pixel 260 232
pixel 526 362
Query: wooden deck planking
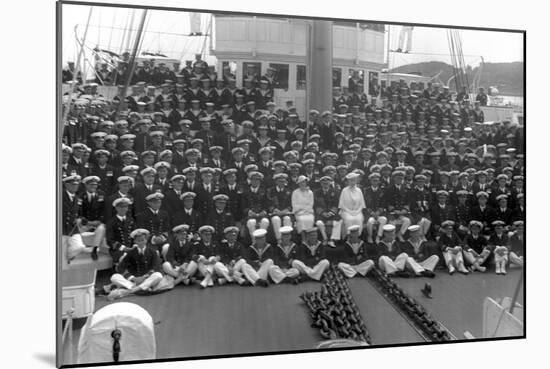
pixel 458 299
pixel 384 323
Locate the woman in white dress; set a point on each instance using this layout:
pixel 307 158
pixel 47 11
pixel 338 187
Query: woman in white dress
pixel 352 204
pixel 302 205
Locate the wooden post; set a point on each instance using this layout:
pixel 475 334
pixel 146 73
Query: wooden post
pixel 319 71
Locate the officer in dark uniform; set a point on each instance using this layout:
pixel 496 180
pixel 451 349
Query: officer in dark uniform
pixel 178 254
pixel 220 217
pixel 483 212
pixel 230 253
pixel 93 202
pixel 172 198
pixel 142 190
pixel 187 214
pixel 255 203
pixel 124 189
pixel 104 171
pixel 155 220
pixel 234 192
pixel 325 200
pixel 119 228
pixel 142 265
pixel 71 204
pixel 206 255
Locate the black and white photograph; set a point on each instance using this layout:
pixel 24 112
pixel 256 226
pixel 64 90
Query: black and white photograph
pixel 233 183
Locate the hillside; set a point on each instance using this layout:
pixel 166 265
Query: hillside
pixel 507 77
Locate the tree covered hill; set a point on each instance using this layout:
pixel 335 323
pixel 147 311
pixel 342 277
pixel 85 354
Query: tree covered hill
pixel 506 77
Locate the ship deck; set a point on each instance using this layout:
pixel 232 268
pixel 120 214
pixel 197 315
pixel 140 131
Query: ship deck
pixel 190 322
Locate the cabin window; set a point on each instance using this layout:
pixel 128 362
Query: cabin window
pixel 280 80
pixel 336 77
pixel 374 86
pixel 301 77
pixel 252 70
pixel 356 80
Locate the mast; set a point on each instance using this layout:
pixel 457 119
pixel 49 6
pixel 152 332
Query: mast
pixel 77 70
pixel 319 71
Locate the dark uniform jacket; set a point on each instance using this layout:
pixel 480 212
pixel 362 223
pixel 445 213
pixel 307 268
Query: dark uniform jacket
pixel 255 201
pixel 229 253
pixel 254 257
pixel 194 219
pixel 448 241
pixel 517 245
pixel 158 224
pixel 180 252
pixel 279 199
pixel 107 177
pixel 205 250
pixel 137 265
pixel 140 192
pixel 395 198
pixel 485 216
pixel 235 202
pixel 476 244
pixel 311 256
pixel 94 209
pixel 118 234
pixel 419 254
pixel 110 209
pixel 326 202
pixel 389 249
pixel 439 214
pixel 283 257
pixel 495 240
pixel 71 211
pixel 374 198
pixel 220 221
pixel 354 255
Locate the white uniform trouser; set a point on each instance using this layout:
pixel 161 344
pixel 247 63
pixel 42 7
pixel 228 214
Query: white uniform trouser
pixel 389 266
pixel 150 283
pixel 472 257
pixel 189 268
pixel 406 32
pixel 401 224
pixel 95 238
pixel 314 273
pixel 453 260
pixel 351 270
pixel 370 226
pixel 350 220
pixel 251 225
pixel 276 222
pixel 250 273
pixel 515 259
pixel 501 258
pixel 429 263
pixel 304 222
pixel 425 225
pixel 336 233
pixel 277 273
pixel 76 245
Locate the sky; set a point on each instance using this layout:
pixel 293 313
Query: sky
pixel 164 31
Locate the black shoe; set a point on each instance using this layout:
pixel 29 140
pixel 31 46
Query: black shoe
pixel 402 274
pixel 398 50
pixel 94 253
pixel 262 283
pixel 427 273
pixel 427 290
